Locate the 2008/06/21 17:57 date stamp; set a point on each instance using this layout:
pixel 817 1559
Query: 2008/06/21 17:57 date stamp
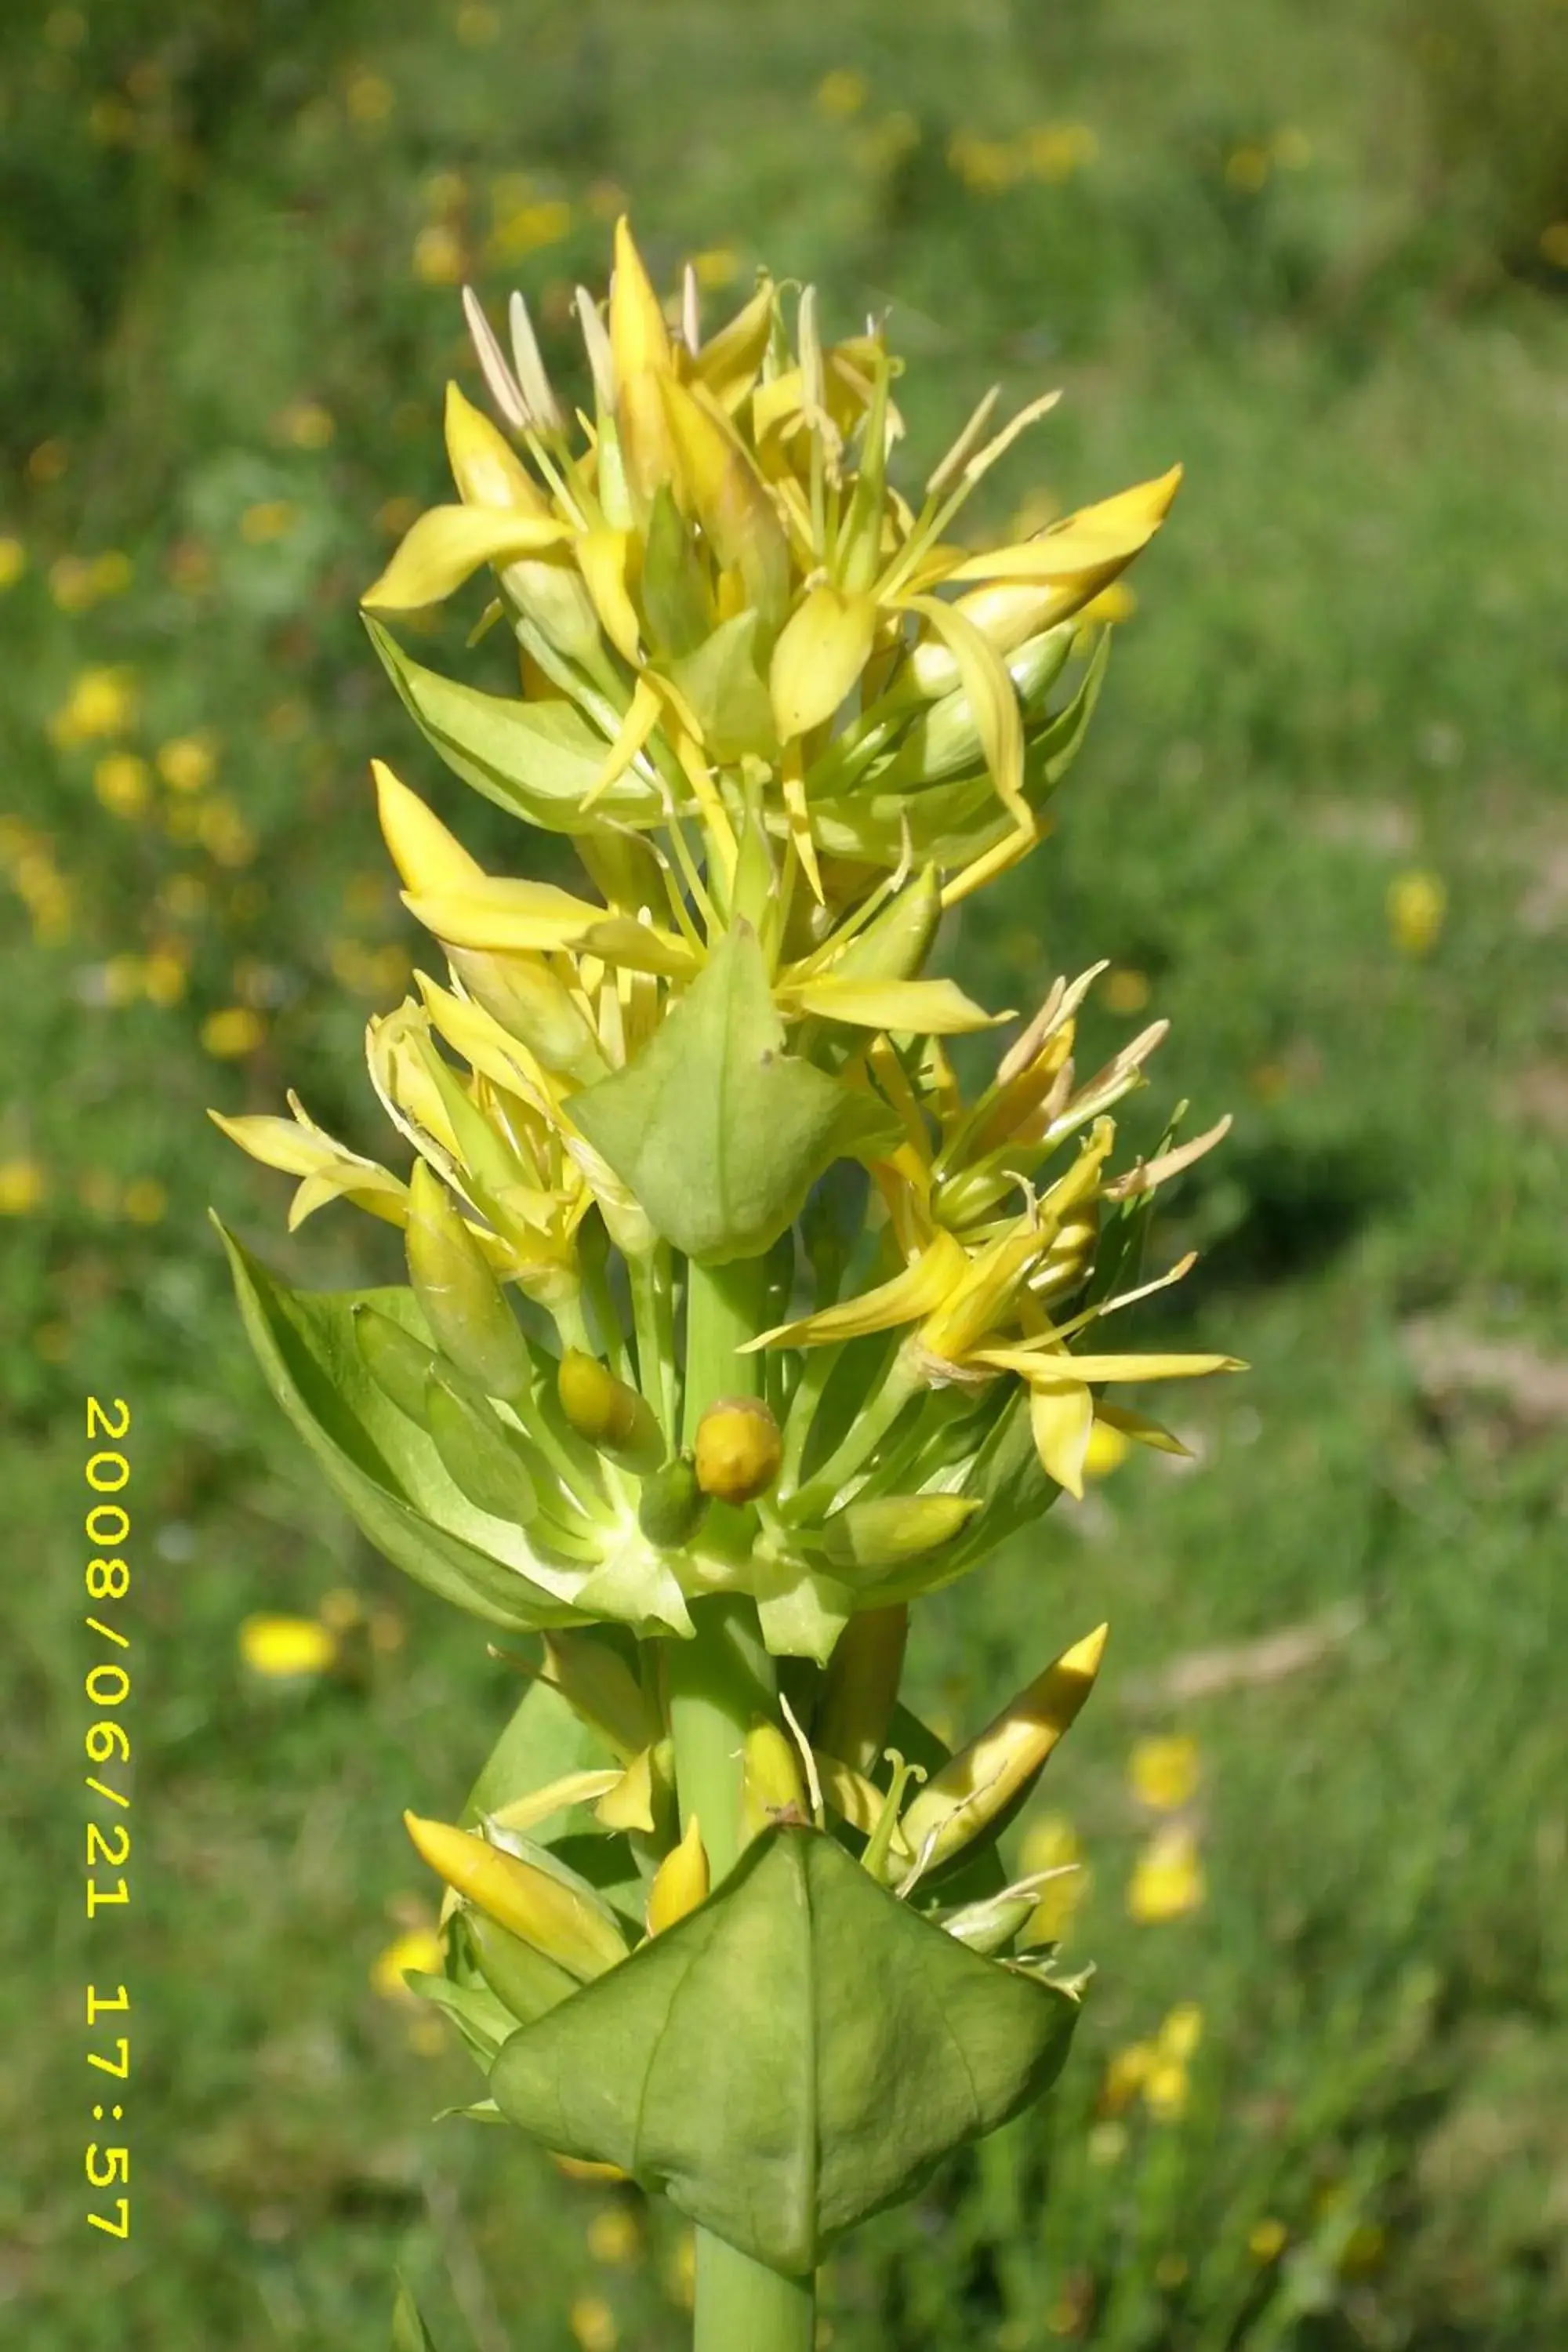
pixel 107 1742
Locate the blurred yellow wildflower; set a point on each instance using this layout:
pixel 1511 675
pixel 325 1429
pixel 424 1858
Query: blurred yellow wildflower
pixel 438 258
pixel 417 1947
pixel 1167 1879
pixel 522 229
pixel 48 461
pixel 1266 2239
pixel 718 265
pixel 146 1202
pixel 188 763
pixel 236 1031
pixel 284 1648
pixel 70 583
pixel 1051 1843
pixel 682 2283
pixel 268 520
pixel 1418 903
pixel 478 25
pixel 12 562
pixel 306 424
pixel 1555 243
pixel 613 2237
pixel 1129 2070
pixel 370 99
pixel 1126 990
pixel 593 2325
pixel 164 976
pixel 224 833
pixel 1247 168
pixel 987 165
pixel 123 782
pixel 1163 1772
pixel 1181 2032
pixel 1291 149
pixel 22 1187
pixel 841 93
pixel 1055 150
pixel 102 701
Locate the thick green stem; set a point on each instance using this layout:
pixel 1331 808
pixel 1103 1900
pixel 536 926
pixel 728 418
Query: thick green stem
pixel 717 1684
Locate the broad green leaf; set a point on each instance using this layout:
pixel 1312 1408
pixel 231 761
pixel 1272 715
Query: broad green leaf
pixel 537 760
pixel 718 1132
pixel 798 2053
pixel 381 1466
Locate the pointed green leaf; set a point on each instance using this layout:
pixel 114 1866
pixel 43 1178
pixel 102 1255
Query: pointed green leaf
pixel 480 2016
pixel 383 1468
pixel 409 2333
pixel 718 1132
pixel 723 680
pixel 798 2053
pixel 536 760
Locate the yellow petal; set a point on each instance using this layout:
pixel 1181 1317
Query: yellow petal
pixel 486 468
pixel 1110 533
pixel 447 543
pixel 502 912
pixel 729 361
pixel 629 1803
pixel 822 650
pixel 641 718
pixel 602 557
pixel 425 854
pixel 639 340
pixel 718 478
pixel 571 1789
pixel 908 1297
pixel 936 1008
pixel 1061 1416
pixel 992 698
pixel 979 1782
pixel 279 1142
pixel 1139 1428
pixel 680 1881
pixel 542 1909
pixel 1034 1366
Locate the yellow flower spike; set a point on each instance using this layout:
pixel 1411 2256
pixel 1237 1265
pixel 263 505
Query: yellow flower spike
pixel 983 1778
pixel 680 1881
pixel 739 1450
pixel 1163 1772
pixel 861 1687
pixel 822 650
pixel 1098 539
pixel 716 477
pixel 772 1788
pixel 426 856
pixel 288 1649
pixel 449 543
pixel 486 468
pixel 555 1919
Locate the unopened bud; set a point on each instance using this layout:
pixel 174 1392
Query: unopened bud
pixel 982 1780
pixel 518 1974
pixel 861 1686
pixel 894 945
pixel 990 1924
pixel 894 1528
pixel 464 1306
pixel 946 740
pixel 597 1684
pixel 772 1788
pixel 1065 1265
pixel 397 1362
pixel 532 1005
pixel 680 1881
pixel 671 1505
pixel 739 1450
pixel 557 1919
pixel 475 1452
pixel 608 1412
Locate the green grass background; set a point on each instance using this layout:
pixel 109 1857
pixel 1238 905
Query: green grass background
pixel 1302 250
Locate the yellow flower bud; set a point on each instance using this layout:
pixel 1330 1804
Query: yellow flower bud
pixel 861 1686
pixel 671 1505
pixel 606 1412
pixel 516 1971
pixel 770 1784
pixel 982 1778
pixel 894 1528
pixel 469 1317
pixel 739 1450
pixel 581 1936
pixel 680 1881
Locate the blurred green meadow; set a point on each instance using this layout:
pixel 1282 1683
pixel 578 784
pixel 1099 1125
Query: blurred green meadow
pixel 1319 2097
